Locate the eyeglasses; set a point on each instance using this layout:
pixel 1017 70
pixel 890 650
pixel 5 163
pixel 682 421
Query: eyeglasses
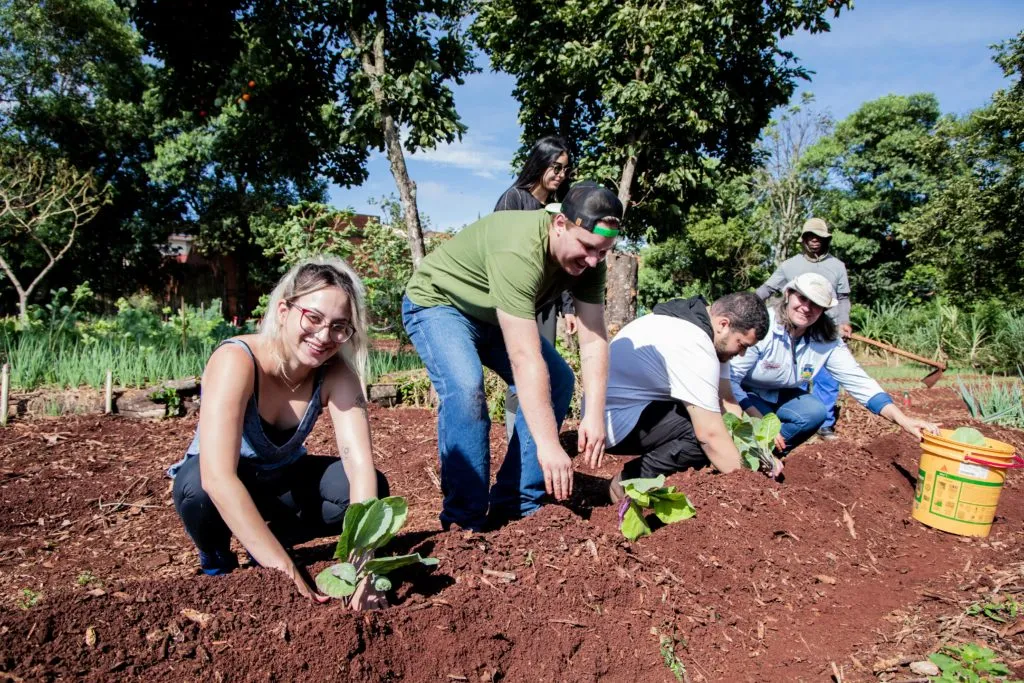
pixel 312 322
pixel 561 169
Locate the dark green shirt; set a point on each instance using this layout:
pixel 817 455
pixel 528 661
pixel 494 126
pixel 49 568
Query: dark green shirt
pixel 500 261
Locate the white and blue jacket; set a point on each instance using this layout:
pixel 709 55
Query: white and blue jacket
pixel 777 362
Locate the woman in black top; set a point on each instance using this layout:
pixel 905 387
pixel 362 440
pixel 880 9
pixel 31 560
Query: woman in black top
pixel 542 181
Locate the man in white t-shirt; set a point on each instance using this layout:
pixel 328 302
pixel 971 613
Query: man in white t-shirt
pixel 668 383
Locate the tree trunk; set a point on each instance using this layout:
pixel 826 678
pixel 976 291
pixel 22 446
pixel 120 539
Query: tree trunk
pixel 25 292
pixel 626 182
pixel 374 66
pixel 406 188
pixel 620 291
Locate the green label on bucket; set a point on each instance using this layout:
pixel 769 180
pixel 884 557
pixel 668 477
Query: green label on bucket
pixel 964 500
pixel 919 489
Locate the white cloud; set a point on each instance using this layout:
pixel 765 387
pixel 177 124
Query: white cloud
pixel 473 154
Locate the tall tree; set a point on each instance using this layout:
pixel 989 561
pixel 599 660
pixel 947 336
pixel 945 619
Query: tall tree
pixel 780 183
pixel 662 99
pixel 42 204
pixel 72 87
pixel 874 171
pixel 254 119
pixel 280 97
pixel 968 239
pixel 408 50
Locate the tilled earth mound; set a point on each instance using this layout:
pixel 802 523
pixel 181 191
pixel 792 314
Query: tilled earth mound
pixel 770 581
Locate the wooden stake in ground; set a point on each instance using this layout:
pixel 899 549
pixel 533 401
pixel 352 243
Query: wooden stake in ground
pixel 184 325
pixel 5 391
pixel 108 394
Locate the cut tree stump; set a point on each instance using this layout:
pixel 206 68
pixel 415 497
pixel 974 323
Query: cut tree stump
pixel 620 291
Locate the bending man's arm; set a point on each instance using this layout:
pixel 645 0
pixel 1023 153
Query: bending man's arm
pixel 594 362
pixel 533 385
pixel 714 438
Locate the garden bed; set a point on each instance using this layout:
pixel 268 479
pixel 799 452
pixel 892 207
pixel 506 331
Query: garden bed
pixel 768 582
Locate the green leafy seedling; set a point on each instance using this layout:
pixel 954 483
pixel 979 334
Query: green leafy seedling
pixel 755 439
pixel 642 494
pixel 28 598
pixel 1003 612
pixel 669 656
pixel 969 663
pixel 368 526
pixel 969 436
pixel 86 578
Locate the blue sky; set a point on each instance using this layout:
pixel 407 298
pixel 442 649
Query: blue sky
pixel 881 47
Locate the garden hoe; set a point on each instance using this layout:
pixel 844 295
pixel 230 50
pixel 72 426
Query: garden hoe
pixel 929 380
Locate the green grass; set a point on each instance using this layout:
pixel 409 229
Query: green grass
pixel 37 362
pixel 912 372
pixel 995 399
pixel 385 362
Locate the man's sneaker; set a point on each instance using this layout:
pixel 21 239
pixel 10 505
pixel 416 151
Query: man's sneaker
pixel 217 563
pixel 827 433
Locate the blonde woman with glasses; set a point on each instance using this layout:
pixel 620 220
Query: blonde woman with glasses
pixel 247 472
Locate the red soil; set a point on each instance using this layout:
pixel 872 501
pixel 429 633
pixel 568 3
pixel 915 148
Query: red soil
pixel 767 582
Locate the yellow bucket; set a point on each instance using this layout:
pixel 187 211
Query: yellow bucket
pixel 958 485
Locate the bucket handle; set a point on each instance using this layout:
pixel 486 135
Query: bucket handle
pixel 1018 462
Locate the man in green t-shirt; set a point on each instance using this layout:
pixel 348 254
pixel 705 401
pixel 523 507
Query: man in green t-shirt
pixel 472 304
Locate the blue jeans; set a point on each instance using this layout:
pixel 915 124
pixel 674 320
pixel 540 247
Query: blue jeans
pixel 301 501
pixel 800 412
pixel 826 390
pixel 455 348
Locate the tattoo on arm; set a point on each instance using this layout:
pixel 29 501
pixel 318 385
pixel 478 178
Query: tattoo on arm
pixel 345 451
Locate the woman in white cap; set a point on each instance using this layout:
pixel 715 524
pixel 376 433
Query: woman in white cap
pixel 774 374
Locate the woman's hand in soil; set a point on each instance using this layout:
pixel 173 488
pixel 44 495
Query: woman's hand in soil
pixel 590 441
pixel 303 584
pixel 557 468
pixel 367 597
pixel 780 443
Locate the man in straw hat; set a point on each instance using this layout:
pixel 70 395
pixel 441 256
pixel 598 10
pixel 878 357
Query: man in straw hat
pixel 815 258
pixel 801 342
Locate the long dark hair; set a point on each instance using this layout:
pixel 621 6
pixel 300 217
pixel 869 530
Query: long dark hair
pixel 824 328
pixel 544 154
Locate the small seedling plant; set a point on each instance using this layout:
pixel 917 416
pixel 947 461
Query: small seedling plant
pixel 669 656
pixel 755 439
pixel 969 663
pixel 368 526
pixel 642 494
pixel 1003 612
pixel 28 598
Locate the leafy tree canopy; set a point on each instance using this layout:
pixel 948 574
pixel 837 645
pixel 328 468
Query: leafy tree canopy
pixel 871 172
pixel 968 240
pixel 72 83
pixel 663 100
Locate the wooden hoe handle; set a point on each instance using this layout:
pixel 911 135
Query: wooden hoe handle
pixel 899 352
